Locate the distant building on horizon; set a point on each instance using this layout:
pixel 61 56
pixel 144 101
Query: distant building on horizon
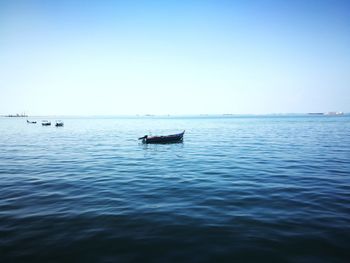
pixel 17 115
pixel 333 113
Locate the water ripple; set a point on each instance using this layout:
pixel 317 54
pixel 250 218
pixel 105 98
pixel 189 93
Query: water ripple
pixel 274 189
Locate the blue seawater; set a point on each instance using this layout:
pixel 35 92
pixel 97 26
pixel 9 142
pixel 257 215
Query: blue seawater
pixel 238 189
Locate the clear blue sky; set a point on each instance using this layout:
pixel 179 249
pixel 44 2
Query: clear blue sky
pixel 174 57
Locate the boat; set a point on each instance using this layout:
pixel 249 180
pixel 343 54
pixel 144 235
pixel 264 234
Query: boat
pixel 59 124
pixel 174 138
pixel 46 123
pixel 33 122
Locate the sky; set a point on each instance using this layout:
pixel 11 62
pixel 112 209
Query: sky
pixel 174 57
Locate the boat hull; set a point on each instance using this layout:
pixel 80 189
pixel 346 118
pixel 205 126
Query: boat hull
pixel 174 138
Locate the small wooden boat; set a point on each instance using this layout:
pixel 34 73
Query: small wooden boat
pixel 46 123
pixel 174 138
pixel 59 124
pixel 33 122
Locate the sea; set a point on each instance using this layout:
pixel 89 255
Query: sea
pixel 238 189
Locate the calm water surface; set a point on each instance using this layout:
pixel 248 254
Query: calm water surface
pixel 241 189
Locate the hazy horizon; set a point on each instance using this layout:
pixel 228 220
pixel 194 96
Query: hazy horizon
pixel 328 113
pixel 104 58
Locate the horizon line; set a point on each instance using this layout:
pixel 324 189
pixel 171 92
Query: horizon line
pixel 176 115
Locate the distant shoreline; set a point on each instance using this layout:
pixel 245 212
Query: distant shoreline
pixel 15 115
pixel 225 115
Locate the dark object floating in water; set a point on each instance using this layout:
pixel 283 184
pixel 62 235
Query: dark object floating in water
pixel 33 122
pixel 174 138
pixel 46 123
pixel 59 124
